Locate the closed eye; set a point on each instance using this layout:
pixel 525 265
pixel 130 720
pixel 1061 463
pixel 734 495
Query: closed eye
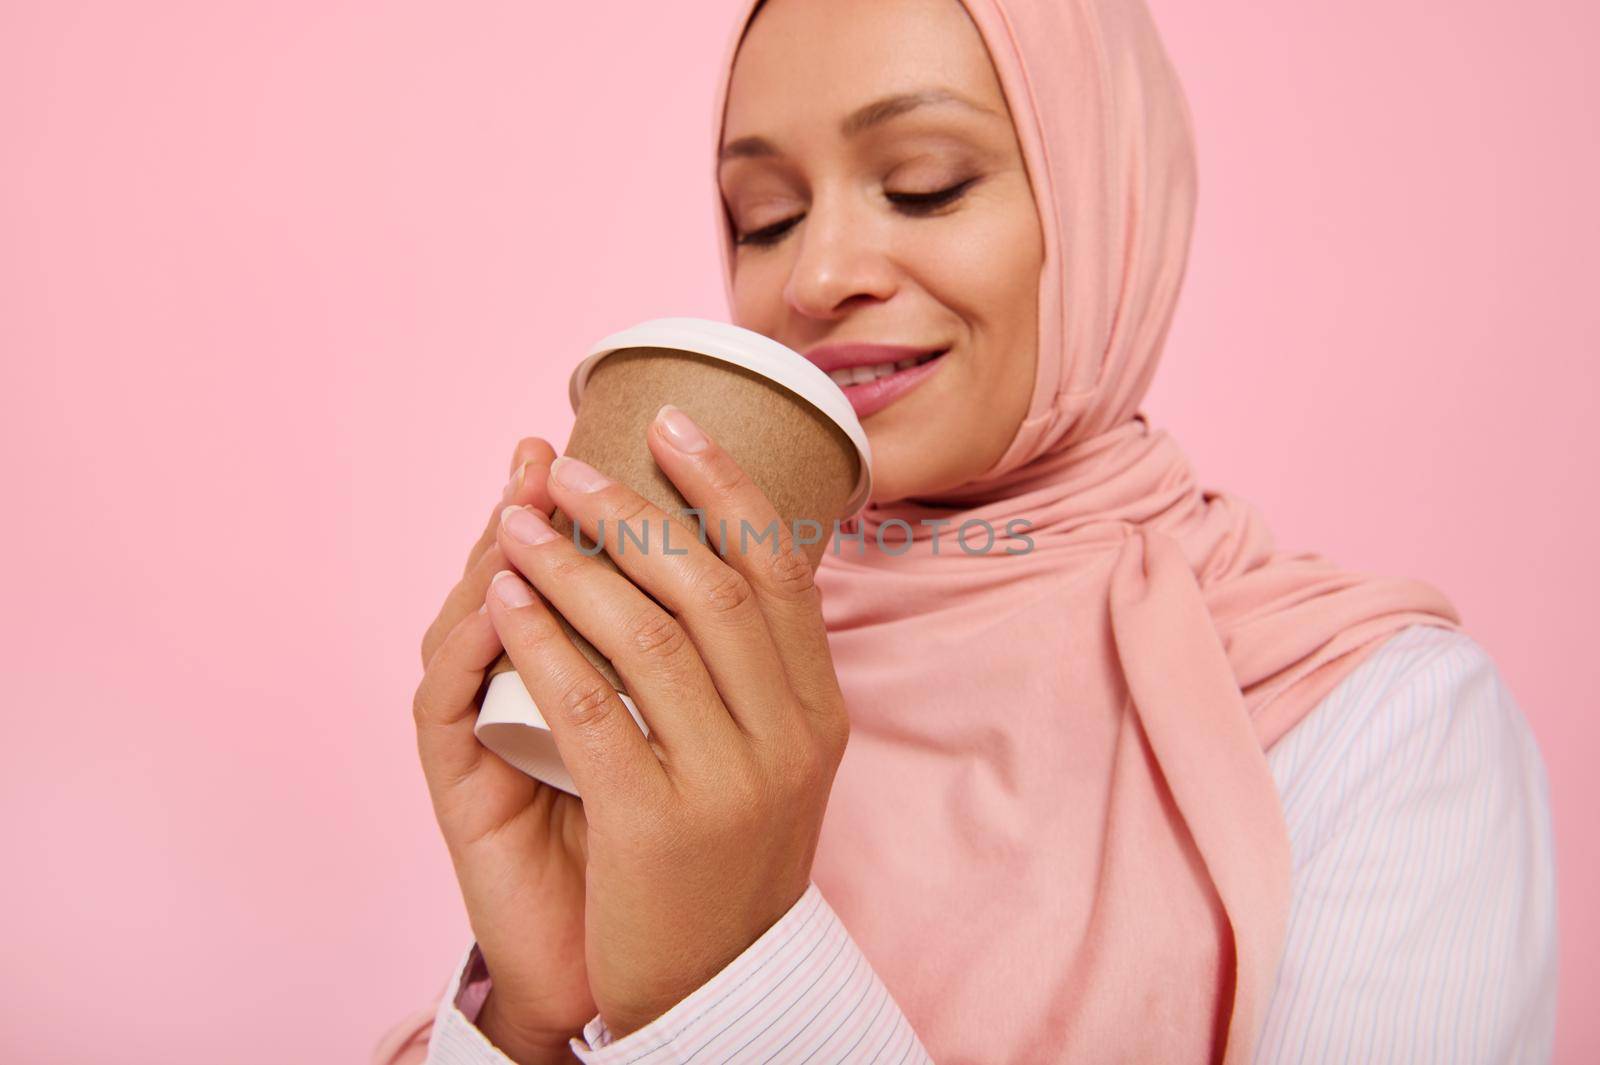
pixel 911 203
pixel 923 202
pixel 769 234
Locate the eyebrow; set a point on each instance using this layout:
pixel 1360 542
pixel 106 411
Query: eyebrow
pixel 861 119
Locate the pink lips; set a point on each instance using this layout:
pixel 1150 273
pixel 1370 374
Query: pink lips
pixel 872 396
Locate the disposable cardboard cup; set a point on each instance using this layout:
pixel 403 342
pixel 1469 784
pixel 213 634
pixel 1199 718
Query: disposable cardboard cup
pixel 784 421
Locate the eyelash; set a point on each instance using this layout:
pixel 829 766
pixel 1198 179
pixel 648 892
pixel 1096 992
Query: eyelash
pixel 916 204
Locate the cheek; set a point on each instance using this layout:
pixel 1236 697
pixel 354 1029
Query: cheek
pixel 1000 261
pixel 758 282
pixel 989 274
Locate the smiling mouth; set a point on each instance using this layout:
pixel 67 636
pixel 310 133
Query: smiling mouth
pixel 860 375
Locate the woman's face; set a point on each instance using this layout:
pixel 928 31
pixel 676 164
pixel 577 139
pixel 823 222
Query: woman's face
pixel 877 195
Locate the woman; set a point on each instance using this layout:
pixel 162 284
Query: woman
pixel 1149 791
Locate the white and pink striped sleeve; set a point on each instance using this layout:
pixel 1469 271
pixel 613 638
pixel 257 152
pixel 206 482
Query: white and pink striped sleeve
pixel 445 1033
pixel 802 992
pixel 1422 927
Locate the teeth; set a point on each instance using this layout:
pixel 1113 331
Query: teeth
pixel 860 375
pixel 857 375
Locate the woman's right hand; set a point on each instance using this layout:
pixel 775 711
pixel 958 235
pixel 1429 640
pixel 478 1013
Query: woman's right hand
pixel 518 845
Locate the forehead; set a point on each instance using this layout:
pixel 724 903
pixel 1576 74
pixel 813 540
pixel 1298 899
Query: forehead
pixel 816 60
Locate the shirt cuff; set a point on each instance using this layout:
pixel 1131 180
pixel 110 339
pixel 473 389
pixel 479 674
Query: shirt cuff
pixel 475 984
pixel 803 991
pixel 456 1039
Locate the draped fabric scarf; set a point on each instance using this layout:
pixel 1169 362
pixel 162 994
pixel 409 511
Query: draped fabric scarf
pixel 1054 831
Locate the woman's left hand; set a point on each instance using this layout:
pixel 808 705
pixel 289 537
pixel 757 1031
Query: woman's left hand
pixel 702 835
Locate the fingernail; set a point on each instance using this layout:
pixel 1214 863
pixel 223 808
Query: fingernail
pixel 680 431
pixel 515 482
pixel 578 476
pixel 526 525
pixel 510 590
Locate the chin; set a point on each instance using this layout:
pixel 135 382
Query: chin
pixel 909 462
pixel 894 478
pixel 894 489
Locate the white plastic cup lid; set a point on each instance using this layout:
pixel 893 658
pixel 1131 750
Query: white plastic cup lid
pixel 510 725
pixel 753 351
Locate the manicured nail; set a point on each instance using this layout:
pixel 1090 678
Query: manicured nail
pixel 510 589
pixel 526 525
pixel 680 431
pixel 578 476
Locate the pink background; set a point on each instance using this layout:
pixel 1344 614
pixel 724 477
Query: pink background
pixel 281 284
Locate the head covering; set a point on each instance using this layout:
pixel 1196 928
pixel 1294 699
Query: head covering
pixel 1054 832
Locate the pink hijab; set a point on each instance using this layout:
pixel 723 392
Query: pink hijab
pixel 1054 832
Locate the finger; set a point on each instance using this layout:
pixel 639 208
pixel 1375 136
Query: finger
pixel 445 710
pixel 530 467
pixel 601 745
pixel 531 449
pixel 778 571
pixel 711 598
pixel 659 664
pixel 464 598
pixel 532 456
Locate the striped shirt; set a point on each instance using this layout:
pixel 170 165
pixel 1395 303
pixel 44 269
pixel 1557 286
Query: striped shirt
pixel 1421 926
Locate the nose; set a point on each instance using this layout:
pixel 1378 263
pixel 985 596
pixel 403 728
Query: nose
pixel 843 262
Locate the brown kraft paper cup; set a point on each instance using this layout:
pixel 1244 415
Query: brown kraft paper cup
pixel 806 464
